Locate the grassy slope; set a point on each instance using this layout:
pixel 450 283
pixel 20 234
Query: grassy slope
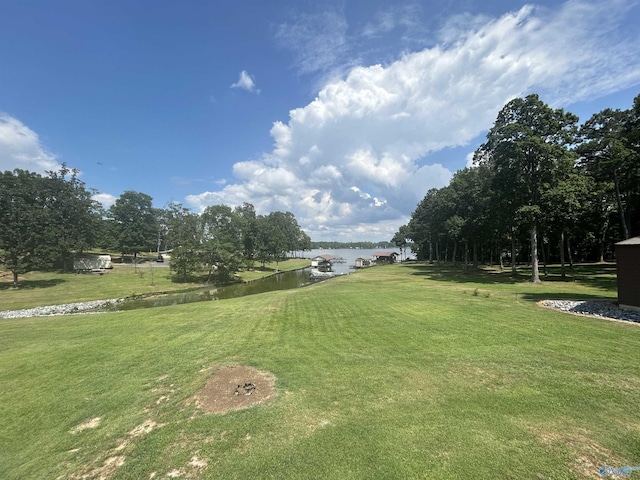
pixel 48 288
pixel 396 372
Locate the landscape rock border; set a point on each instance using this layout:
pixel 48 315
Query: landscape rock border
pixel 95 306
pixel 606 309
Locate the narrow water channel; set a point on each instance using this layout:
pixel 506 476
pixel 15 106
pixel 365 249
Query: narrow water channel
pixel 280 281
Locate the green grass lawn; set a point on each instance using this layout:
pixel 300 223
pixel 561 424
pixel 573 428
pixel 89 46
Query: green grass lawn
pixel 404 371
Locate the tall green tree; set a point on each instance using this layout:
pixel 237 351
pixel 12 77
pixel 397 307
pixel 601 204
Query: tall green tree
pixel 631 135
pixel 525 148
pixel 246 217
pixel 468 220
pixel 136 222
pixel 608 157
pixel 43 219
pixel 221 248
pixel 23 242
pixel 73 216
pixel 185 238
pixel 288 225
pixel 567 200
pixel 401 239
pixel 271 241
pixel 422 226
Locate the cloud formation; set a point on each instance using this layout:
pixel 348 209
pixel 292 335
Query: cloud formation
pixel 246 82
pixel 106 199
pixel 20 148
pixel 358 154
pixel 317 41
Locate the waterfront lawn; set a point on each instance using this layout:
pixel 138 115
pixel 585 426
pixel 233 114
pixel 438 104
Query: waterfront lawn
pixel 53 288
pixel 404 371
pixel 272 268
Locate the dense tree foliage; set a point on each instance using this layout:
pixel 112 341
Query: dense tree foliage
pixel 183 237
pixel 135 222
pixel 73 216
pixel 541 185
pixel 43 219
pixel 221 239
pixel 401 239
pixel 527 152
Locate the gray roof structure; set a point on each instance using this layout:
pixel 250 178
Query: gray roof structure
pixel 630 241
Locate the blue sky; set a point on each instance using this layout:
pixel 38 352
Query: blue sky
pixel 342 112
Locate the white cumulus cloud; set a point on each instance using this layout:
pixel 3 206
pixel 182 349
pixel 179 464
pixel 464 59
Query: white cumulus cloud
pixel 356 158
pixel 20 147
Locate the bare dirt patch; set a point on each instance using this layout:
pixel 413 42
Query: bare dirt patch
pixel 115 459
pixel 103 472
pixel 86 425
pixel 588 455
pixel 234 388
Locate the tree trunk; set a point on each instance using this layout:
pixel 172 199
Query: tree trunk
pixel 430 251
pixel 544 258
pixel 453 255
pixel 475 255
pixel 603 236
pixel 623 220
pixel 209 274
pixel 513 253
pixel 15 279
pixel 466 255
pixel 561 246
pixel 535 274
pixel 491 252
pixel 570 254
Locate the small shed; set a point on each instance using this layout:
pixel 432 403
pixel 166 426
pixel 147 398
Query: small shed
pixel 384 257
pixel 628 266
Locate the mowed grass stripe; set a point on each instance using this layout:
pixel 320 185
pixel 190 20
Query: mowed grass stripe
pixel 383 374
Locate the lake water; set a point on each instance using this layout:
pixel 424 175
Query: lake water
pixel 349 254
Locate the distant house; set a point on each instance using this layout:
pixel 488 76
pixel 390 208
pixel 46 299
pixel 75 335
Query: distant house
pixel 384 257
pixel 362 262
pixel 322 262
pixel 628 266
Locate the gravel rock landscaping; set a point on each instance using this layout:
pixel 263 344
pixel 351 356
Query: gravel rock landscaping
pixel 66 309
pixel 602 308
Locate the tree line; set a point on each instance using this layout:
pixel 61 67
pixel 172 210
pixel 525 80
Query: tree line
pixel 46 220
pixel 221 239
pixel 542 186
